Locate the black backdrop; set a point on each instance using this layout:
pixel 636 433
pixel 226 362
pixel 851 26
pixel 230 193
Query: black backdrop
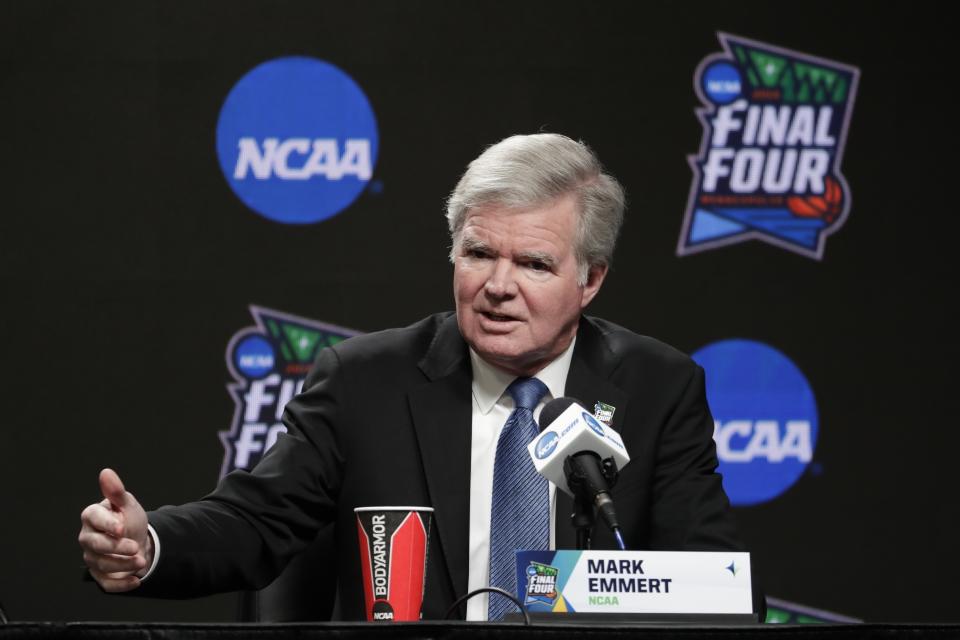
pixel 126 263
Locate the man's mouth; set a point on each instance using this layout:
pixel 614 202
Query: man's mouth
pixel 497 317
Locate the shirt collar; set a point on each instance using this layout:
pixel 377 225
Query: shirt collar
pixel 489 383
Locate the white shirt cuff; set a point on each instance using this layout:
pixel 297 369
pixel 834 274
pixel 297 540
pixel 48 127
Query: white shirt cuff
pixel 156 551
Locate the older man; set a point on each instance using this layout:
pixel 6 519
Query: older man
pixel 417 416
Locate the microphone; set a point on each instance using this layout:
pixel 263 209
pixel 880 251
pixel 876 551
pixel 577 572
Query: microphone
pixel 574 450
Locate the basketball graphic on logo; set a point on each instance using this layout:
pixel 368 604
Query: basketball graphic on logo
pixel 828 206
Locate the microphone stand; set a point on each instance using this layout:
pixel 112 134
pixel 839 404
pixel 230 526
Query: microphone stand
pixel 584 489
pixel 582 519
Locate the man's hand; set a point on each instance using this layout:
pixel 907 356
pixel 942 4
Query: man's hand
pixel 113 535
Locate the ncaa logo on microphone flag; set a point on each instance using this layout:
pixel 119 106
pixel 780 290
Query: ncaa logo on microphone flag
pixel 297 140
pixel 546 444
pixel 268 363
pixel 775 126
pixel 592 423
pixel 765 418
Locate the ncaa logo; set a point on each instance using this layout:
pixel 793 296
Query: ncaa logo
pixel 297 140
pixel 592 423
pixel 546 445
pixel 765 418
pixel 253 356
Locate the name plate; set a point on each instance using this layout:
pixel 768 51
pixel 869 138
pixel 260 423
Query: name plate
pixel 635 582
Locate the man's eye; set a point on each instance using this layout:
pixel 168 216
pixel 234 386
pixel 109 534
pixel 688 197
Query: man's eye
pixel 477 253
pixel 538 266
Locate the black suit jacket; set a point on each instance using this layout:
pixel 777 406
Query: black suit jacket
pixel 385 419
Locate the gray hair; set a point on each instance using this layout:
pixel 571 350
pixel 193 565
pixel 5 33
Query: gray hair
pixel 525 171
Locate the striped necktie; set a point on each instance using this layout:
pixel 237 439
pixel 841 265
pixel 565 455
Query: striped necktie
pixel 520 513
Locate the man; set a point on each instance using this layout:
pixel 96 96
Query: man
pixel 426 415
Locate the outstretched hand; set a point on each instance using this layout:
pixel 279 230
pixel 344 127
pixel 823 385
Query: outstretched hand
pixel 113 535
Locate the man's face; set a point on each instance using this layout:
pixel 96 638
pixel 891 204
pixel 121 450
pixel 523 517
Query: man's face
pixel 515 284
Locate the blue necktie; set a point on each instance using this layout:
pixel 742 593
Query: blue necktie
pixel 520 513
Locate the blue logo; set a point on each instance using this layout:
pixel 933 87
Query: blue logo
pixel 253 357
pixel 297 140
pixel 546 444
pixel 775 126
pixel 765 418
pixel 721 82
pixel 592 423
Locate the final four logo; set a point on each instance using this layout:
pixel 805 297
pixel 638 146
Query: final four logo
pixel 269 363
pixel 774 128
pixel 541 584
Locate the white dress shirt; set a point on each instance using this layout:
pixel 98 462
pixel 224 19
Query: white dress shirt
pixel 491 408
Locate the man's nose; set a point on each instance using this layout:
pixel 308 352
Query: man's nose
pixel 502 282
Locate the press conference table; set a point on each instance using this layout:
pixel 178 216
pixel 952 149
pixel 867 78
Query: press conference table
pixel 463 631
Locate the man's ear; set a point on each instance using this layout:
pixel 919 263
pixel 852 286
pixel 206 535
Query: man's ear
pixel 595 277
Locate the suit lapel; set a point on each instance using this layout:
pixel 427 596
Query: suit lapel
pixel 441 410
pixel 588 382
